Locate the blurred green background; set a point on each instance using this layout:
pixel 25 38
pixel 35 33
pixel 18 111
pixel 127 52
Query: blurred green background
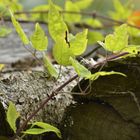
pixel 102 6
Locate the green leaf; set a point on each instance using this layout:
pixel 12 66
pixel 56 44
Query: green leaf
pixel 14 5
pixel 4 31
pixel 2 66
pixel 95 23
pixel 133 50
pixel 85 73
pixel 35 131
pixel 118 6
pixel 122 10
pixel 56 25
pixel 83 4
pixel 80 69
pixel 38 39
pixel 19 30
pixel 62 52
pixel 133 31
pixel 117 41
pixel 94 36
pixel 42 16
pixel 71 18
pixel 44 127
pixel 48 65
pixel 70 37
pixel 96 75
pixel 78 44
pixel 12 116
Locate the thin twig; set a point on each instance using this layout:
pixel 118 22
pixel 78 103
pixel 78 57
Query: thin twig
pixel 109 58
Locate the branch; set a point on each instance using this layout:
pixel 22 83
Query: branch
pixel 109 58
pixel 78 25
pixel 26 21
pixel 92 14
pixel 56 91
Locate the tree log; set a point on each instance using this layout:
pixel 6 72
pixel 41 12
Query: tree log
pixel 26 89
